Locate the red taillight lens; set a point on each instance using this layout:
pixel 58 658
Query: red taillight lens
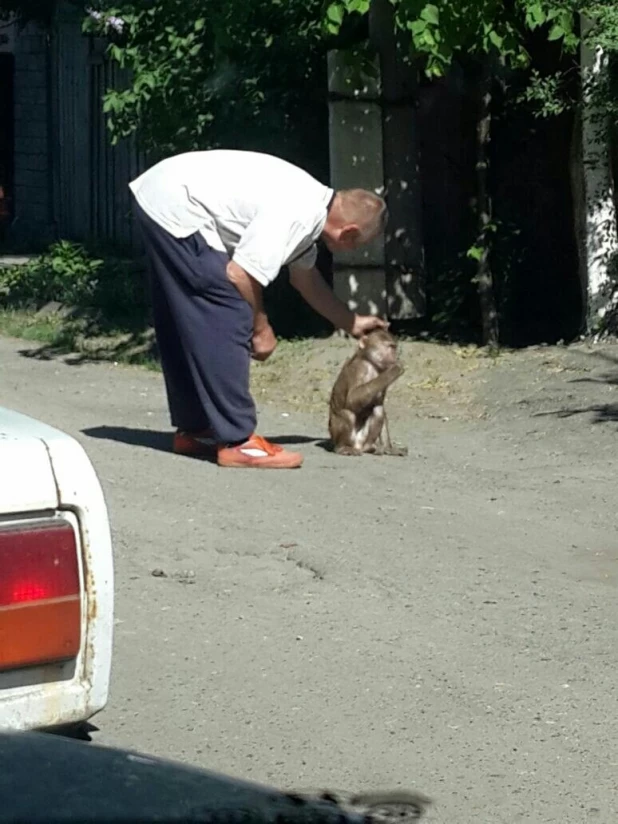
pixel 40 604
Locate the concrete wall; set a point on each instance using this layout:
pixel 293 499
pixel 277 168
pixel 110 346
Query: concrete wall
pixel 68 180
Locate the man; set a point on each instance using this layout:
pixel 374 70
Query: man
pixel 218 226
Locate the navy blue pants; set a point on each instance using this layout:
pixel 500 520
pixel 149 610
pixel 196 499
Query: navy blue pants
pixel 203 328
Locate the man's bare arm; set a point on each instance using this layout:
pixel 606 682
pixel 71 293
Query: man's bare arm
pixel 251 291
pixel 264 342
pixel 314 289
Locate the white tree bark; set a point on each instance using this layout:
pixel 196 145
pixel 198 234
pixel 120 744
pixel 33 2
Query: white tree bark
pixel 600 241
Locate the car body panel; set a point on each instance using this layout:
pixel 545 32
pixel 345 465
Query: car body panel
pixel 115 785
pixel 45 472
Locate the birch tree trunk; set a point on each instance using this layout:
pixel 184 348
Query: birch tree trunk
pixel 599 239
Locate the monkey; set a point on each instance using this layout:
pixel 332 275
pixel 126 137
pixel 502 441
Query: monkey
pixel 356 408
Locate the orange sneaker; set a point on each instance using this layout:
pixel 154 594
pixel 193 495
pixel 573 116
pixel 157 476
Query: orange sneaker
pixel 258 453
pixel 195 444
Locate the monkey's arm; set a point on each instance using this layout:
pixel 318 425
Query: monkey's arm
pixel 364 395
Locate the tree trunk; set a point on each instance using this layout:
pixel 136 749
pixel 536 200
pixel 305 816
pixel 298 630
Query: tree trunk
pixel 484 277
pixel 599 244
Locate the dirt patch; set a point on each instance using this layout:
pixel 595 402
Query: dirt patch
pixel 555 382
pixel 439 381
pixel 451 382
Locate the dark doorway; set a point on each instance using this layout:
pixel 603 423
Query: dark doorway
pixel 7 121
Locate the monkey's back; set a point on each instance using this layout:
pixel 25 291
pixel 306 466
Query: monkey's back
pixel 338 421
pixel 341 387
pixel 341 420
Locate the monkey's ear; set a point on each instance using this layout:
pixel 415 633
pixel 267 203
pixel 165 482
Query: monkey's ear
pixel 362 341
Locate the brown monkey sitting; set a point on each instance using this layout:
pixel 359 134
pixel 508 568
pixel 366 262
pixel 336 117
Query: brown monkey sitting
pixel 356 409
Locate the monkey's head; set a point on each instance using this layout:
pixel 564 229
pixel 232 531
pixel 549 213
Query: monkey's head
pixel 379 348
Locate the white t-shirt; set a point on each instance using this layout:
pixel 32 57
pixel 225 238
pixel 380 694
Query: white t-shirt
pixel 263 211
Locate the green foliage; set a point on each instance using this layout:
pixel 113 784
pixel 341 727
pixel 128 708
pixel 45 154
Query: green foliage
pixel 546 96
pixel 475 252
pixel 202 70
pixel 440 32
pixel 69 275
pixel 603 16
pixel 65 274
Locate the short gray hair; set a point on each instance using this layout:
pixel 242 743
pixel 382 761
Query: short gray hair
pixel 366 209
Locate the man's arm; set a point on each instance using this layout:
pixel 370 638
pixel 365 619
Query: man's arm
pixel 264 342
pixel 251 291
pixel 314 289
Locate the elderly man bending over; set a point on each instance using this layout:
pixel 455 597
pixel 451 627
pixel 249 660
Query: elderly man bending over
pixel 217 227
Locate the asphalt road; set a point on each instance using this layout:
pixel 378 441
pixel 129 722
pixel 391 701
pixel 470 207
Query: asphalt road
pixel 445 622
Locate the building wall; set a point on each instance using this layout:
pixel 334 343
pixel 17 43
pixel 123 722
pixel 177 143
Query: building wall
pixel 91 198
pixel 68 181
pixel 32 219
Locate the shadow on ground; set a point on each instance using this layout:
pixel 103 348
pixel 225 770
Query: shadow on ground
pixel 162 441
pixel 77 347
pixel 600 412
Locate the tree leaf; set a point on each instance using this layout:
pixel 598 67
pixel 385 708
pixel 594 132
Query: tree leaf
pixel 495 38
pixel 417 26
pixel 556 32
pixel 334 13
pixel 359 6
pixel 535 15
pixel 431 14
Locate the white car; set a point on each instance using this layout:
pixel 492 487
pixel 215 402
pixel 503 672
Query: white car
pixel 56 579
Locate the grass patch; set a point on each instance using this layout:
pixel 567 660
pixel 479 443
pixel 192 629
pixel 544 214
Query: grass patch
pixel 18 323
pixel 82 337
pixel 72 301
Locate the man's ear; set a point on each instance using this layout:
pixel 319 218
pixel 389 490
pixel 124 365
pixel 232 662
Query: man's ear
pixel 349 234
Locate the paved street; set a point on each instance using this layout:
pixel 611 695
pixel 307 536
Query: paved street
pixel 445 622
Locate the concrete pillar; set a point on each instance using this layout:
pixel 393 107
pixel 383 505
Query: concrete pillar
pixel 374 145
pixel 356 161
pixel 405 265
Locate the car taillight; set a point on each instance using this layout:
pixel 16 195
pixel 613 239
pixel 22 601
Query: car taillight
pixel 40 603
